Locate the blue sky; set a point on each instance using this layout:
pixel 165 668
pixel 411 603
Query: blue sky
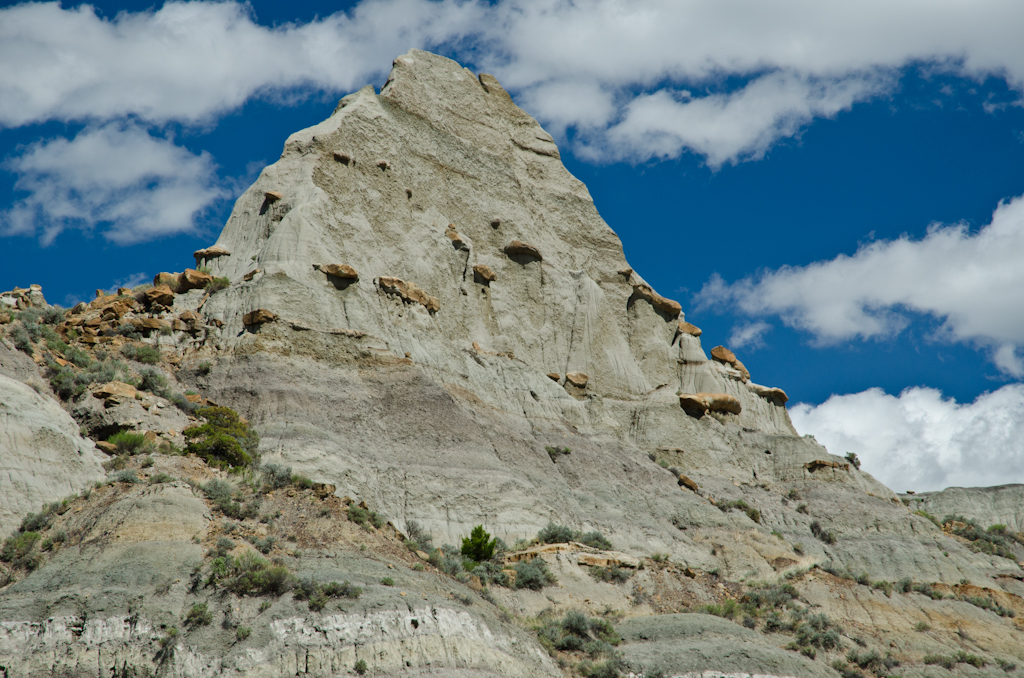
pixel 830 189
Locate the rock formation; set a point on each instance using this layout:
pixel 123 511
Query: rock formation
pixel 423 396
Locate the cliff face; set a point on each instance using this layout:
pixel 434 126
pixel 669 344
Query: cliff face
pixel 423 312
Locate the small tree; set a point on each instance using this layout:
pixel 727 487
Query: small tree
pixel 852 458
pixel 478 545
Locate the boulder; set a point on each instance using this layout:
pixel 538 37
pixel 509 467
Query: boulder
pixel 109 448
pixel 723 355
pixel 258 317
pixel 169 279
pixel 272 196
pixel 518 248
pixel 685 481
pixel 457 241
pixel 210 253
pixel 659 302
pixel 577 379
pixel 484 273
pixel 150 324
pixel 161 294
pixel 625 271
pixel 409 292
pixel 689 328
pixel 250 275
pixel 343 271
pixel 115 390
pixel 191 279
pixel 710 402
pixel 554 376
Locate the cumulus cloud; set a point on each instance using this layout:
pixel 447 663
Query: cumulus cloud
pixel 638 77
pixel 922 441
pixel 135 186
pixel 190 61
pixel 971 281
pixel 650 79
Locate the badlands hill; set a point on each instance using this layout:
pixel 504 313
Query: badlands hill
pixel 422 316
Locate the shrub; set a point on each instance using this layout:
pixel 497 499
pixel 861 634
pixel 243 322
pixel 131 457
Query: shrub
pixel 198 615
pixel 533 575
pixel 224 440
pixel 478 546
pixel 21 338
pixel 556 534
pixel 556 452
pixel 922 626
pixel 126 476
pixel 752 513
pixel 612 574
pixel 276 476
pixel 821 533
pixel 802 508
pixel 153 381
pixel 250 574
pixel 728 609
pixel 302 482
pixel 365 518
pixel 317 594
pixel 596 540
pixel 222 495
pixel 854 461
pixel 242 633
pixel 387 581
pixel 17 548
pixel 418 535
pixel 77 356
pixel 360 667
pixel 127 442
pixel 142 354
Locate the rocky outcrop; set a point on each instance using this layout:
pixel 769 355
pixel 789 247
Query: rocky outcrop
pixel 710 402
pixel 258 317
pixel 191 279
pixel 409 292
pixel 727 357
pixel 210 253
pixel 644 291
pixel 689 328
pixel 341 271
pixel 160 295
pixel 484 274
pixel 518 248
pixel 577 379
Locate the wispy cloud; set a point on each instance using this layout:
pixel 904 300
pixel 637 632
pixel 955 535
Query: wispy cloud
pixel 132 185
pixel 749 335
pixel 922 441
pixel 972 281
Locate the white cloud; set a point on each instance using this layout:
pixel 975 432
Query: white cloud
pixel 134 186
pixel 971 281
pixel 190 61
pixel 921 441
pixel 128 281
pixel 749 335
pixel 611 69
pixel 626 81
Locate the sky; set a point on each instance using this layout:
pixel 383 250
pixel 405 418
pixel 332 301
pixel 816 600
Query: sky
pixel 835 191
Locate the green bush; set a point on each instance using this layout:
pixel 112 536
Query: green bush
pixel 418 536
pixel 556 452
pixel 387 581
pixel 301 482
pixel 17 548
pixel 276 476
pixel 127 442
pixel 612 574
pixel 533 575
pixel 249 574
pixel 365 518
pixel 142 354
pixel 154 382
pixel 225 440
pixel 198 615
pixel 478 546
pixel 126 476
pixel 242 633
pixel 752 513
pixel 556 534
pixel 854 461
pixel 360 667
pixel 317 594
pixel 596 540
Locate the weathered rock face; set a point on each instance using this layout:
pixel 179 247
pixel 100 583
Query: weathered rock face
pixel 443 401
pixel 988 505
pixel 42 456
